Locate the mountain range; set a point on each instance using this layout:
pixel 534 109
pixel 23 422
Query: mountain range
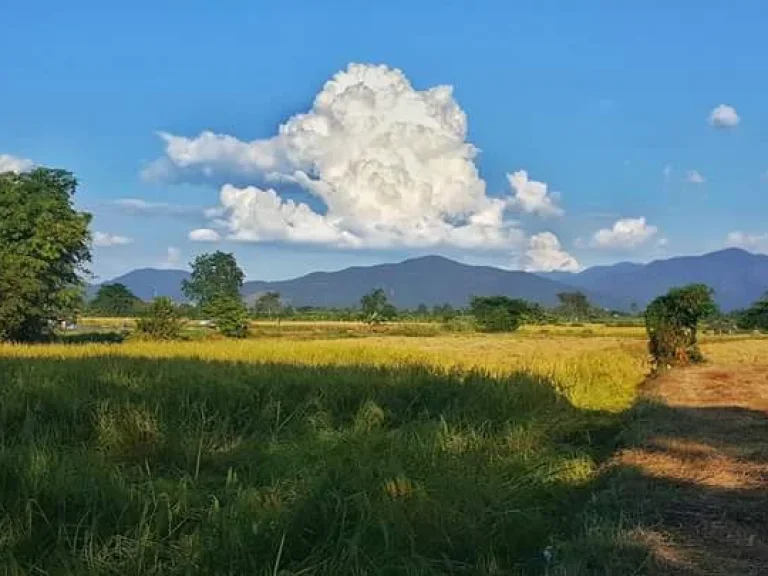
pixel 737 276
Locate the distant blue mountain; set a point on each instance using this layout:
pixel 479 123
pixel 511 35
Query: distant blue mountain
pixel 430 280
pixel 737 276
pixel 147 283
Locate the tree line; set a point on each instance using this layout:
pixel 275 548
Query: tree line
pixel 45 250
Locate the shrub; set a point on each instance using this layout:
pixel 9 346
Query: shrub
pixel 671 322
pixel 161 321
pixel 230 315
pixel 499 313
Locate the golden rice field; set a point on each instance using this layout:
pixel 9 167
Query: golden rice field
pixel 382 454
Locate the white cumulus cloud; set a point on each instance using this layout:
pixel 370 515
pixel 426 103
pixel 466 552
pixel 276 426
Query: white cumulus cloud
pixel 545 254
pixel 724 116
pixel 531 196
pixel 385 165
pixel 745 240
pixel 694 177
pixel 625 233
pixel 106 240
pixel 10 163
pixel 204 235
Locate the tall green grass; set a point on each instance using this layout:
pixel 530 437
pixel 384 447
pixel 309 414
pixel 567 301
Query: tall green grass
pixel 133 465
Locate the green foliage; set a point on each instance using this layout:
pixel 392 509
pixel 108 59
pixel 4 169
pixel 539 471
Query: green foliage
pixel 445 312
pixel 376 308
pixel 114 300
pixel 672 322
pixel 499 313
pixel 44 247
pixel 230 315
pixel 756 316
pixel 574 306
pixel 214 276
pixel 161 321
pixel 268 305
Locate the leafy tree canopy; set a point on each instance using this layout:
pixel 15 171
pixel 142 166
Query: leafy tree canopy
pixel 268 305
pixel 376 307
pixel 44 248
pixel 214 276
pixel 756 316
pixel 115 300
pixel 499 313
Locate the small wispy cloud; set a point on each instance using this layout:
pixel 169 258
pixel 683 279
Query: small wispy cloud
pixel 106 240
pixel 694 177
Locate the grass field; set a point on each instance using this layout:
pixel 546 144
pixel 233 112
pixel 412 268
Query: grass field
pixel 383 454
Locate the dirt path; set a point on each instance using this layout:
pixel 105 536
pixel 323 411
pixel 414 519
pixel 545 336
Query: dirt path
pixel 696 471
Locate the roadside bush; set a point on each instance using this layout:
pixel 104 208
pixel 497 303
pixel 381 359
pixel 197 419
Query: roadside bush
pixel 161 321
pixel 671 322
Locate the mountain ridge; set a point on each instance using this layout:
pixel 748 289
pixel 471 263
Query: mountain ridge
pixel 738 277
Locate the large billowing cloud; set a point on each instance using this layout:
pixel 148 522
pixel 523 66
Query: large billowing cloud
pixel 10 163
pixel 544 253
pixel 625 233
pixel 386 165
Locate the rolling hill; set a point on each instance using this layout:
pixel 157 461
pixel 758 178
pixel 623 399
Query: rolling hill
pixel 429 280
pixel 737 276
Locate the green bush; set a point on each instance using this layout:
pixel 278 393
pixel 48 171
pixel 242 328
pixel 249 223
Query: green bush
pixel 499 313
pixel 230 315
pixel 672 321
pixel 161 321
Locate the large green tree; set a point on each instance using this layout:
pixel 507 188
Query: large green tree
pixel 215 288
pixel 268 305
pixel 44 248
pixel 115 300
pixel 756 316
pixel 499 313
pixel 574 305
pixel 376 308
pixel 214 276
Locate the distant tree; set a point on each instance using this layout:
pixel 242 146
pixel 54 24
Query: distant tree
pixel 422 310
pixel 445 312
pixel 115 300
pixel 215 288
pixel 44 247
pixel 214 276
pixel 574 305
pixel 376 308
pixel 499 313
pixel 161 321
pixel 268 305
pixel 756 316
pixel 634 308
pixel 231 316
pixel 672 323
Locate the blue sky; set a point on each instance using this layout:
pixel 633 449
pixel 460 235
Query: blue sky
pixel 607 104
